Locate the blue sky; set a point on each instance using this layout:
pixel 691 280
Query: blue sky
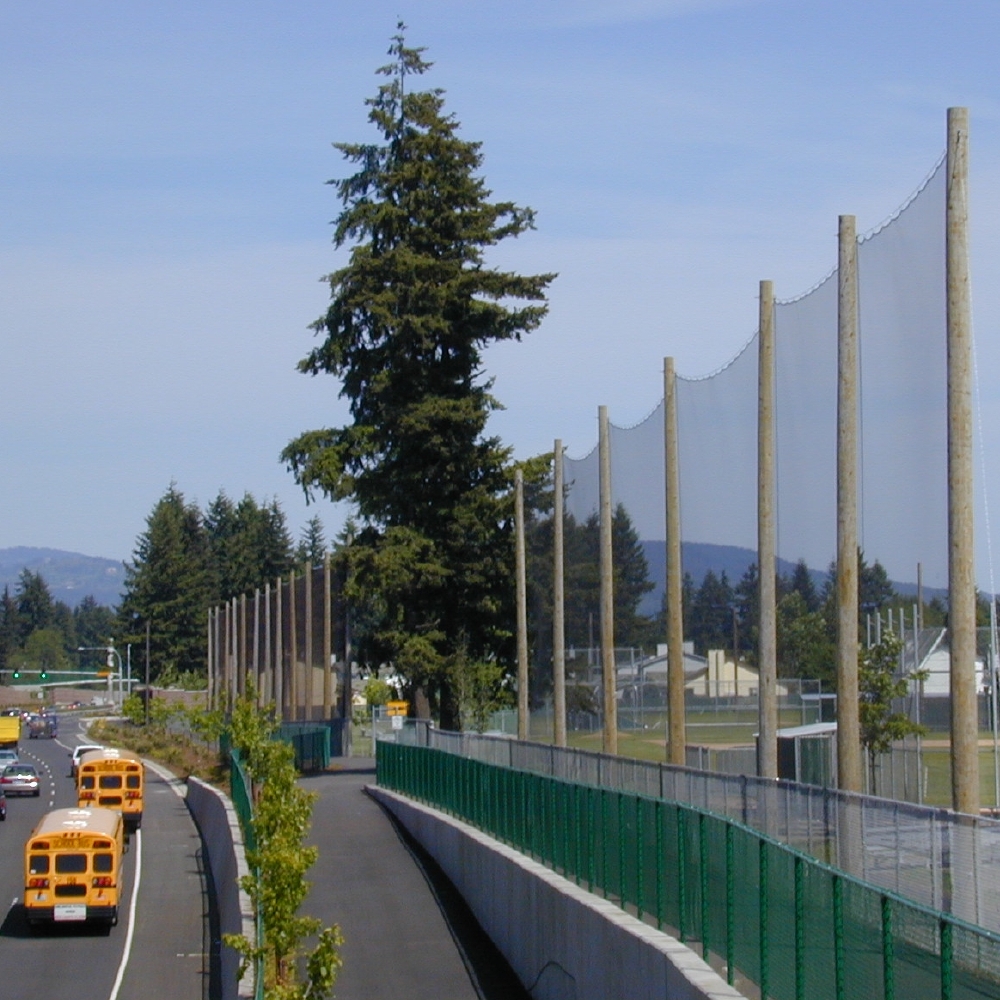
pixel 166 221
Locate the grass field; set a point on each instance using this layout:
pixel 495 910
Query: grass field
pixel 721 729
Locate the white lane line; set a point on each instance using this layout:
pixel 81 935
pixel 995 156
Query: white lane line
pixel 131 917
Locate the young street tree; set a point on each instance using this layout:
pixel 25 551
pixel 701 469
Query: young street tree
pixel 882 688
pixel 411 314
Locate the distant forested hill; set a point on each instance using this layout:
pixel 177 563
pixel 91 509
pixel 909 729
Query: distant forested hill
pixel 698 558
pixel 70 576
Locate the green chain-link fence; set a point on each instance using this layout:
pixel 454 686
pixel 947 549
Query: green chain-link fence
pixel 241 792
pixel 795 927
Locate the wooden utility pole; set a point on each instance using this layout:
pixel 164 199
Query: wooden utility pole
pixel 522 608
pixel 961 557
pixel 848 720
pixel 676 723
pixel 558 601
pixel 767 685
pixel 608 670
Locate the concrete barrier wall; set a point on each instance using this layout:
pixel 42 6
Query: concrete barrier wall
pixel 562 942
pixel 223 842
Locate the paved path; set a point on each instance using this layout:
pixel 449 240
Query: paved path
pixel 407 932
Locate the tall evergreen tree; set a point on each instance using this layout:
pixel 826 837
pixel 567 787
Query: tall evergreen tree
pixel 9 629
pixel 411 314
pixel 93 623
pixel 312 543
pixel 249 544
pixel 274 543
pixel 712 613
pixel 170 583
pixel 35 607
pixel 802 581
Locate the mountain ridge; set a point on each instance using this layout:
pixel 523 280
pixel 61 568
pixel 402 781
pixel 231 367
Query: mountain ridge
pixel 70 576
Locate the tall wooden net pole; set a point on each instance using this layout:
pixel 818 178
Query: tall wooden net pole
pixel 558 600
pixel 256 646
pixel 327 638
pixel 234 638
pixel 308 651
pixel 522 608
pixel 267 679
pixel 279 653
pixel 848 722
pixel 293 647
pixel 767 688
pixel 676 723
pixel 607 590
pixel 211 661
pixel 961 557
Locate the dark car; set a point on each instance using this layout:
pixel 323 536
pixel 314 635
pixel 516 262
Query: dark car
pixel 45 726
pixel 3 805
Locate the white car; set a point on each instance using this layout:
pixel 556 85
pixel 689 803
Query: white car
pixel 78 752
pixel 9 757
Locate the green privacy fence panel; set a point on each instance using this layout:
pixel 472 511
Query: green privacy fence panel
pixel 798 929
pixel 240 793
pixel 311 744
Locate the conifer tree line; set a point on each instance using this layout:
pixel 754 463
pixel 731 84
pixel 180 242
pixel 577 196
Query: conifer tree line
pixel 189 560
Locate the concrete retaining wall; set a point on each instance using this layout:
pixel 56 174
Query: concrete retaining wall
pixel 223 841
pixel 563 942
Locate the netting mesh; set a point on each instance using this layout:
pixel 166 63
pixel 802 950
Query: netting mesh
pixel 902 444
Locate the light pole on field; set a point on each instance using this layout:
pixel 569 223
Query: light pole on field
pixel 112 654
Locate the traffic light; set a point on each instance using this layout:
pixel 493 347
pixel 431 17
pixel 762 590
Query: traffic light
pixel 44 674
pixel 17 673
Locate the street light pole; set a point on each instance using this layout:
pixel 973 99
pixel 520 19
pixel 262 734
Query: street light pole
pixel 147 672
pixel 114 652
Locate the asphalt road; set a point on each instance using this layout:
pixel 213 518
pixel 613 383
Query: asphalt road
pixel 161 946
pixel 407 932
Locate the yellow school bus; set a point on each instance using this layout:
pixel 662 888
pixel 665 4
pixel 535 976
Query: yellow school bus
pixel 72 867
pixel 114 779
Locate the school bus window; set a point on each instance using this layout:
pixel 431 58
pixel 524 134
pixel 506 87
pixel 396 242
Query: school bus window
pixel 87 781
pixel 39 864
pixel 132 781
pixel 104 863
pixel 110 781
pixel 71 864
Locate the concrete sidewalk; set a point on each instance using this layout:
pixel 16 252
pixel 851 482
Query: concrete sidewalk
pixel 407 932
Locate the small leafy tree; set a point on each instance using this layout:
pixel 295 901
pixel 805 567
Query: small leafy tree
pixel 281 816
pixel 879 686
pixel 377 692
pixel 482 689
